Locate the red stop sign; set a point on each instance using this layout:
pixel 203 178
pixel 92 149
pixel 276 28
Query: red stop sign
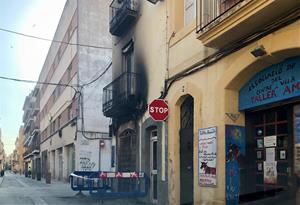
pixel 158 110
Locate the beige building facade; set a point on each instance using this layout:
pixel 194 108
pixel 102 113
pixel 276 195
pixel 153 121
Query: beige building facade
pixel 138 72
pixel 2 153
pixel 233 66
pixel 19 152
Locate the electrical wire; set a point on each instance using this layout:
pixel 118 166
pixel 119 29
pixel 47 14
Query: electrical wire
pixel 284 21
pixel 97 78
pixel 37 82
pixel 79 92
pixel 54 41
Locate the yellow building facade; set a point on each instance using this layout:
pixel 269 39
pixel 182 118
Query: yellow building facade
pixel 18 161
pixel 215 63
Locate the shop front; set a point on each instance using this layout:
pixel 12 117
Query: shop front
pixel 267 158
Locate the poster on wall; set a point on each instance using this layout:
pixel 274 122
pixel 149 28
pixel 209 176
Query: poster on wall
pixel 270 172
pixel 207 156
pixel 235 152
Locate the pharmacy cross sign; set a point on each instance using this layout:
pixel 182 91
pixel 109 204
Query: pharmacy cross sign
pixel 158 109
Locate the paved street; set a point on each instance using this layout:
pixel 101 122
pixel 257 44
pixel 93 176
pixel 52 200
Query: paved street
pixel 16 189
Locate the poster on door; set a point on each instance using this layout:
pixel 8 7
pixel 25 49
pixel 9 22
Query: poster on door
pixel 270 172
pixel 207 156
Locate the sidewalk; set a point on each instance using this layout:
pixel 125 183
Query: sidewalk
pixel 64 192
pixel 1 180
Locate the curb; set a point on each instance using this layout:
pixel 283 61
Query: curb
pixel 1 180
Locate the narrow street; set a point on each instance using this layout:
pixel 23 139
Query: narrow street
pixel 16 189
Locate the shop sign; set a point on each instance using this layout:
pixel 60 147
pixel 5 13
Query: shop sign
pixel 235 151
pixel 275 83
pixel 207 156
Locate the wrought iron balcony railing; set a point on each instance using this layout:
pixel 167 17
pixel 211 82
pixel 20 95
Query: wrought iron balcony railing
pixel 210 12
pixel 122 95
pixel 222 23
pixel 122 14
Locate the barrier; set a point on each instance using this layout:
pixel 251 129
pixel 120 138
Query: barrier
pixel 111 184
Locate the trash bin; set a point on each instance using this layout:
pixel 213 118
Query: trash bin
pixel 48 178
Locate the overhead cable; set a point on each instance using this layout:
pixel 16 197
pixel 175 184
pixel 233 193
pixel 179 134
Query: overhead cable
pixel 38 82
pixel 55 41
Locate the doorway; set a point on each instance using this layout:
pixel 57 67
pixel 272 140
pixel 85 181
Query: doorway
pixel 153 166
pixel 269 161
pixel 60 165
pixel 187 152
pixel 126 158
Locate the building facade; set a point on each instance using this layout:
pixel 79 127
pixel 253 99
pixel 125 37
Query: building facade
pixel 233 94
pixel 18 152
pixel 72 125
pixel 138 71
pixel 31 132
pixel 2 153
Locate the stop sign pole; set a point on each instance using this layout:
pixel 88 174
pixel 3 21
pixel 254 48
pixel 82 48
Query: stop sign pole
pixel 158 109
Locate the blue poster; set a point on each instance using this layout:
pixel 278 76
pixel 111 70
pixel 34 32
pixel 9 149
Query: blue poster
pixel 278 82
pixel 235 150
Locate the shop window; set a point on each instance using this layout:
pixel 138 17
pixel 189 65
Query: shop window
pixel 281 115
pixel 270 130
pixel 269 168
pixel 270 117
pixel 282 128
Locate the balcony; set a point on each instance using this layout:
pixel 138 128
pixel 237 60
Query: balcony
pixel 122 14
pixel 122 96
pixel 223 22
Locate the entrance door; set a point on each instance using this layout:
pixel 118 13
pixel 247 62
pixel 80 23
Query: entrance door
pixel 271 138
pixel 186 152
pixel 60 166
pixel 153 165
pixel 126 158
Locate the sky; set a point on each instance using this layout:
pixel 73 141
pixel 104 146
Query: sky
pixel 22 57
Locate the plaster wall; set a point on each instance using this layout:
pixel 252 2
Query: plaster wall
pixel 215 92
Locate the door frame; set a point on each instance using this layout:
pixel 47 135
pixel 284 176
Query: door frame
pixel 153 139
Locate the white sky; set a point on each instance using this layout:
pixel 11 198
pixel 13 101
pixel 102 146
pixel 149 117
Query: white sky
pixel 22 57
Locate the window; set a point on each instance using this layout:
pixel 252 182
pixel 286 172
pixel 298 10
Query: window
pixel 128 58
pixel 69 73
pixel 53 126
pixel 58 122
pixel 189 11
pixel 69 112
pixel 227 4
